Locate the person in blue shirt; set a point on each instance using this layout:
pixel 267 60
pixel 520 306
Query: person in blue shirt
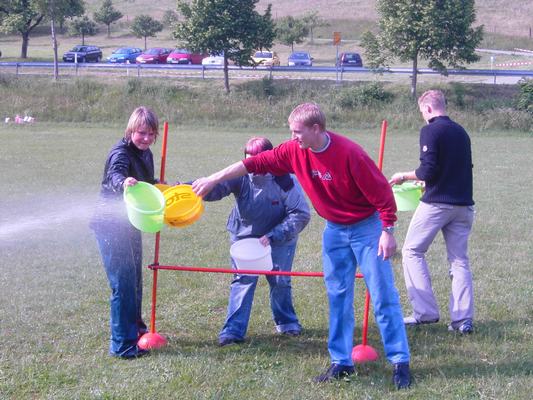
pixel 273 209
pixel 447 206
pixel 128 162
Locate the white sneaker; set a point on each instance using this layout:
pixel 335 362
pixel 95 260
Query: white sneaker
pixel 412 321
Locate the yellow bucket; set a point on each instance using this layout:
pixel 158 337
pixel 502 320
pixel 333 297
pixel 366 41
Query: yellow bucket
pixel 162 187
pixel 182 206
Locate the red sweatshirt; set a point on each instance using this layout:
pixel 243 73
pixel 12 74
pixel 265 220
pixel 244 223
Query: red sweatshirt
pixel 342 181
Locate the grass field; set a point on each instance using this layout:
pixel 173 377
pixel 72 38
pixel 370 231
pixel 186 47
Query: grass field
pixel 54 295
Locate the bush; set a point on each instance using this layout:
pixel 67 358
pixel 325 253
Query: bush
pixel 258 103
pixel 525 97
pixel 365 95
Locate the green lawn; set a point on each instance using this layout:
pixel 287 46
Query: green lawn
pixel 54 295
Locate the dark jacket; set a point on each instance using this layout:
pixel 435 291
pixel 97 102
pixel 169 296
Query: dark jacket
pixel 123 161
pixel 445 163
pixel 264 205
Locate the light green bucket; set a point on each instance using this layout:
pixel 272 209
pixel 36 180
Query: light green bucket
pixel 407 196
pixel 145 204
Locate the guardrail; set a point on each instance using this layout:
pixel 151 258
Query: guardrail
pixel 202 69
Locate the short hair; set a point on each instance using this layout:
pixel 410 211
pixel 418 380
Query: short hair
pixel 142 117
pixel 308 114
pixel 256 145
pixel 434 98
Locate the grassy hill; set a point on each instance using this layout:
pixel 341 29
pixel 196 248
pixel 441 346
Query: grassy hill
pixel 496 15
pixel 505 28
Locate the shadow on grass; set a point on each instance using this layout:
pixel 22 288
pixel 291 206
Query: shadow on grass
pixel 312 341
pixel 509 330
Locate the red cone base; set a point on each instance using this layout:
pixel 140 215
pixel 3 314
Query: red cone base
pixel 364 353
pixel 150 341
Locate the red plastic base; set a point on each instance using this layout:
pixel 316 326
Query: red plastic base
pixel 151 341
pixel 364 353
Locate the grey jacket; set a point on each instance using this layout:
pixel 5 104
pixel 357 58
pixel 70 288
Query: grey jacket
pixel 265 205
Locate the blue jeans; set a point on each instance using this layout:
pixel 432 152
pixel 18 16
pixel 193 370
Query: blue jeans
pixel 121 250
pixel 242 296
pixel 345 247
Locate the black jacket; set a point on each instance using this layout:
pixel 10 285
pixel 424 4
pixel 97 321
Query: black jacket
pixel 123 161
pixel 445 163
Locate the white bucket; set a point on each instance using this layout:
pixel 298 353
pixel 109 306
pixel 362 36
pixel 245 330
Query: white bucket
pixel 252 255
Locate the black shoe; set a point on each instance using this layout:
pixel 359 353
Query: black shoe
pixel 291 333
pixel 131 355
pixel 466 328
pixel 226 341
pixel 335 371
pixel 401 376
pixel 412 321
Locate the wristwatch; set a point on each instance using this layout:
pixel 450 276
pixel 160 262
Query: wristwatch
pixel 389 229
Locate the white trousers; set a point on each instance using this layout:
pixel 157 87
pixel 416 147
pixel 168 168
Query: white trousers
pixel 455 222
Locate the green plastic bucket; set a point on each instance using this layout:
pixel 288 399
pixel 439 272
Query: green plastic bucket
pixel 407 196
pixel 145 204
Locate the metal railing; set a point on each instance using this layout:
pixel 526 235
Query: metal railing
pixel 209 71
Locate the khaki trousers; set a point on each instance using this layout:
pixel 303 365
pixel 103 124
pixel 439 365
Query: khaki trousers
pixel 455 222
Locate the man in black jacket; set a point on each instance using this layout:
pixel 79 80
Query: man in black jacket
pixel 447 206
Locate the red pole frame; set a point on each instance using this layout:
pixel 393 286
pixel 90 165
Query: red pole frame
pixel 360 354
pixel 153 340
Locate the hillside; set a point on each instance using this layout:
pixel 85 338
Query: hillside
pixel 496 15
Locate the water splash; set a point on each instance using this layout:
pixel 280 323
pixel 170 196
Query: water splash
pixel 52 217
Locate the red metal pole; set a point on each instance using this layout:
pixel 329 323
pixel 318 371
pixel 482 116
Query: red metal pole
pixel 191 268
pixel 153 340
pixel 364 355
pixel 157 235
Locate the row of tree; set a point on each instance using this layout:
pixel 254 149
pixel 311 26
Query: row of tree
pixel 440 31
pixel 23 16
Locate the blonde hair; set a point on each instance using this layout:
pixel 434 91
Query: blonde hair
pixel 142 117
pixel 434 98
pixel 308 114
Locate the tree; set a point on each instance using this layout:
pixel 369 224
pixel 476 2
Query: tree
pixel 20 16
pixel 170 18
pixel 23 16
pixel 83 27
pixel 58 10
pixel 106 15
pixel 144 26
pixel 439 31
pixel 266 29
pixel 312 21
pixel 231 27
pixel 290 30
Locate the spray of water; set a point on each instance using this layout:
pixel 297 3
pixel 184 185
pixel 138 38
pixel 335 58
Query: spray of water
pixel 52 217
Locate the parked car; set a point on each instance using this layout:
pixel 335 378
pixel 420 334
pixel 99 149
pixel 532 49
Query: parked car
pixel 83 54
pixel 214 59
pixel 184 56
pixel 300 58
pixel 350 60
pixel 124 55
pixel 155 55
pixel 266 58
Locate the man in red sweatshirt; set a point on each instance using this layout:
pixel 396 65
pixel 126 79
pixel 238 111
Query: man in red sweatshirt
pixel 352 195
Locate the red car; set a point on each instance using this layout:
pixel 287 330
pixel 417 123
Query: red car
pixel 184 56
pixel 156 55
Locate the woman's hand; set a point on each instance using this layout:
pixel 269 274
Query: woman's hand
pixel 129 181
